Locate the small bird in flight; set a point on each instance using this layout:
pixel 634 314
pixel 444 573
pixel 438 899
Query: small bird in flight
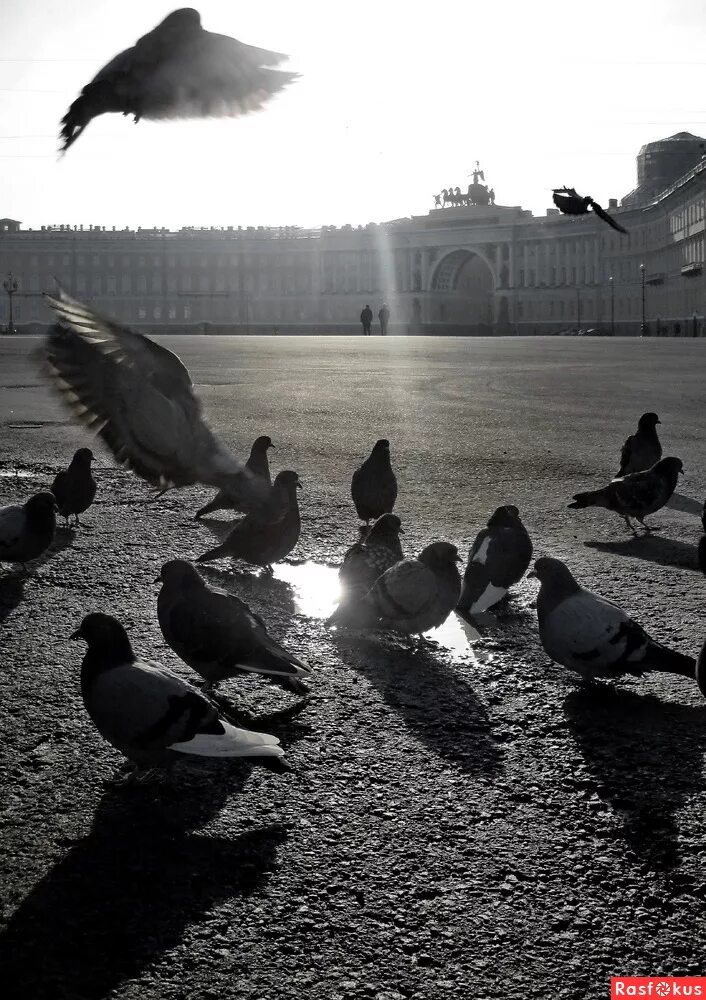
pixel 569 202
pixel 178 70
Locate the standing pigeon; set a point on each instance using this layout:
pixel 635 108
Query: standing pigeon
pixel 258 465
pixel 374 486
pixel 569 202
pixel 28 530
pixel 268 535
pixel 593 636
pixel 179 70
pixel 413 596
pixel 498 559
pixel 702 542
pixel 367 559
pixel 75 487
pixel 642 449
pixel 217 635
pixel 148 713
pixel 636 495
pixel 139 397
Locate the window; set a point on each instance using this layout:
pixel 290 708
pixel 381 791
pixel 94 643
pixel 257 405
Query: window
pixel 125 284
pixel 187 312
pixel 157 312
pixel 156 283
pixel 111 285
pixel 142 313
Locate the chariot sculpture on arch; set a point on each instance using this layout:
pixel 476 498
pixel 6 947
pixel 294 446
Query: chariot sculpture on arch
pixel 477 194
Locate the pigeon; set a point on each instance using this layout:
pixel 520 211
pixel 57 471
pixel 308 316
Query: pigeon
pixel 139 397
pixel 498 559
pixel 377 549
pixel 27 531
pixel 374 486
pixel 636 495
pixel 593 636
pixel 268 535
pixel 217 635
pixel 149 713
pixel 413 596
pixel 702 543
pixel 570 203
pixel 179 70
pixel 642 449
pixel 258 465
pixel 701 670
pixel 75 487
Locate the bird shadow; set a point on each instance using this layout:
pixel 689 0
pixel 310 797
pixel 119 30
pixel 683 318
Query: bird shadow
pixel 646 756
pixel 124 894
pixel 652 548
pixel 255 585
pixel 685 504
pixel 11 593
pixel 437 706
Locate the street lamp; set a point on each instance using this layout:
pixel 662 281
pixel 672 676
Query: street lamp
pixel 10 285
pixel 643 328
pixel 612 306
pixel 578 308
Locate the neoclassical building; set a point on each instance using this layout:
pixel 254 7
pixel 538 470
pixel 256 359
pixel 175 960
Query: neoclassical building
pixel 473 267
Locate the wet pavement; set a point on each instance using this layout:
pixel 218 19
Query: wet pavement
pixel 458 817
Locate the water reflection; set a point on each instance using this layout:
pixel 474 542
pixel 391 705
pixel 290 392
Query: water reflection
pixel 18 474
pixel 317 591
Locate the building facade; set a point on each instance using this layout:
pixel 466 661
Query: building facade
pixel 476 268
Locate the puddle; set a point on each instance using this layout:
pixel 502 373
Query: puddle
pixel 317 592
pixel 18 474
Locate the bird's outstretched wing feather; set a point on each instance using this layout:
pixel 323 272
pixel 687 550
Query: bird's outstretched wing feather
pixel 602 214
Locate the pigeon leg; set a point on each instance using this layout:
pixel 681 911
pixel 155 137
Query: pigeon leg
pixel 648 529
pixel 631 526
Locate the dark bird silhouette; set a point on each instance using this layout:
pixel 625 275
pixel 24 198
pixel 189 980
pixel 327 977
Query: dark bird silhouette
pixel 593 636
pixel 413 596
pixel 367 559
pixel 149 713
pixel 139 397
pixel 374 486
pixel 498 559
pixel 218 635
pixel 268 535
pixel 27 530
pixel 642 449
pixel 178 70
pixel 636 495
pixel 569 202
pixel 702 543
pixel 75 487
pixel 258 465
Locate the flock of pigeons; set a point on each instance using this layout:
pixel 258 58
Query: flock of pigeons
pixel 139 398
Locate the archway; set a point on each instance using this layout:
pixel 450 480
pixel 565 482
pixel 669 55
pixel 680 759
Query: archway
pixel 462 293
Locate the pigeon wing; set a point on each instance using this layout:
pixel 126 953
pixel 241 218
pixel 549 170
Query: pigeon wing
pixel 602 214
pixel 407 589
pixel 137 395
pixel 625 454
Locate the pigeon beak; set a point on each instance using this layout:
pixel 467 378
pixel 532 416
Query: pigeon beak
pixel 157 579
pixel 400 531
pixel 271 446
pixel 76 634
pixel 299 486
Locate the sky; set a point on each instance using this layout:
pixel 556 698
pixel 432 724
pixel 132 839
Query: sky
pixel 397 99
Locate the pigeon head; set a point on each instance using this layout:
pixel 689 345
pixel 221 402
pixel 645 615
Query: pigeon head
pixel 555 574
pixel 648 421
pixel 670 466
pixel 382 445
pixel 41 506
pixel 179 573
pixel 288 481
pixel 185 19
pixel 262 443
pixel 104 633
pixel 84 456
pixel 439 553
pixel 504 517
pixel 386 524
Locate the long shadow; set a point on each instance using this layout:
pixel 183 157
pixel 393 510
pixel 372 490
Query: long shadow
pixel 686 504
pixel 437 706
pixel 251 584
pixel 11 593
pixel 124 894
pixel 646 756
pixel 652 548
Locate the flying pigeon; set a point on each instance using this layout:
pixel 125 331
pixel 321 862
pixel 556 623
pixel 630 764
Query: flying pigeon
pixel 570 203
pixel 139 397
pixel 179 70
pixel 75 487
pixel 413 596
pixel 593 636
pixel 270 534
pixel 27 530
pixel 217 635
pixel 498 559
pixel 258 465
pixel 374 486
pixel 702 543
pixel 636 495
pixel 642 449
pixel 149 713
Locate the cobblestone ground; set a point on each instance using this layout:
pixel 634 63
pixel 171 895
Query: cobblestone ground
pixel 459 820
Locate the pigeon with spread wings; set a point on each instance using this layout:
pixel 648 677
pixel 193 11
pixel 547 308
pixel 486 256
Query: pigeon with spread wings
pixel 178 70
pixel 139 397
pixel 569 202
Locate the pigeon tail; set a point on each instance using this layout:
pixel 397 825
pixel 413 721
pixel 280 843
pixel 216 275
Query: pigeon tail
pixel 281 669
pixel 215 504
pixel 220 552
pixel 595 498
pixel 669 661
pixel 354 614
pixel 96 99
pixel 702 554
pixel 231 742
pixel 701 671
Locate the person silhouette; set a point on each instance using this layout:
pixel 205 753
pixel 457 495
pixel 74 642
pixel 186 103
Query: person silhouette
pixel 384 317
pixel 366 318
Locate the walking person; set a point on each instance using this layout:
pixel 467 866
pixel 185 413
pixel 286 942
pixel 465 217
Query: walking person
pixel 366 318
pixel 384 317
